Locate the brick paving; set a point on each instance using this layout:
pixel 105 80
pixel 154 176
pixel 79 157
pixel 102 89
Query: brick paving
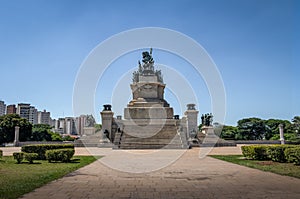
pixel 188 177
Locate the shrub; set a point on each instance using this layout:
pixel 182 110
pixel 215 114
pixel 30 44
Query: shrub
pixel 276 152
pixel 293 155
pixel 255 152
pixel 246 152
pixel 30 157
pixel 41 149
pixel 1 154
pixel 18 156
pixel 63 155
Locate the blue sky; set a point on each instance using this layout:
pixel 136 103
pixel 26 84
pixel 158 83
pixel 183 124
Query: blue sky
pixel 255 45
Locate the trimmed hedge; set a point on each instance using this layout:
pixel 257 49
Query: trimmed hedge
pixel 1 154
pixel 276 152
pixel 41 149
pixel 30 157
pixel 63 155
pixel 293 155
pixel 18 156
pixel 255 152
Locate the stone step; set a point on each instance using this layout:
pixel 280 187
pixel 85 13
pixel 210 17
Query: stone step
pixel 156 136
pixel 150 122
pixel 164 142
pixel 150 134
pixel 154 146
pixel 141 139
pixel 145 129
pixel 173 142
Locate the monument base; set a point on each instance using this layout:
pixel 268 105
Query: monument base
pixel 210 138
pixel 148 113
pixel 150 134
pixel 208 130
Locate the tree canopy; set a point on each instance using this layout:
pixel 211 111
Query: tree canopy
pixel 41 132
pixel 257 129
pixel 229 132
pixel 7 128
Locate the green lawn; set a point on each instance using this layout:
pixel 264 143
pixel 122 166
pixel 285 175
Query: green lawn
pixel 287 169
pixel 18 179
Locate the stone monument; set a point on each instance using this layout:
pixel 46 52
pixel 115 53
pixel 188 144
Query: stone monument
pixel 282 141
pixel 17 134
pixel 191 115
pixel 207 129
pixel 149 121
pixel 107 121
pixel 206 121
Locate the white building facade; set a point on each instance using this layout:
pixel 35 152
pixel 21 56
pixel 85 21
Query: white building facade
pixel 23 110
pixel 33 115
pixel 2 108
pixel 44 117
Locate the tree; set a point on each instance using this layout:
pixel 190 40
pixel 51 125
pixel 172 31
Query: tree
pixel 68 138
pixel 56 136
pixel 7 128
pixel 251 129
pixel 229 132
pixel 200 127
pixel 296 119
pixel 296 124
pixel 273 129
pixel 41 132
pixel 98 127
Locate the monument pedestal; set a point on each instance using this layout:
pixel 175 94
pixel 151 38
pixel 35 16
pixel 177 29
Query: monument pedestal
pixel 210 137
pixel 148 118
pixel 208 130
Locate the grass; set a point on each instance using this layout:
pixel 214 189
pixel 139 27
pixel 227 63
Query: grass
pixel 18 179
pixel 288 169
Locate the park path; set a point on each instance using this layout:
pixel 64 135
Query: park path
pixel 188 177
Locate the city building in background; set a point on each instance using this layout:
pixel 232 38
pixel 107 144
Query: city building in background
pixel 2 108
pixel 11 109
pixel 44 117
pixel 33 115
pixel 52 122
pixel 82 125
pixel 23 110
pixel 27 112
pixel 70 126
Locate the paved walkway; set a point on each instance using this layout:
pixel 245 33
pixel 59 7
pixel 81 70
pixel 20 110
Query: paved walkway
pixel 188 177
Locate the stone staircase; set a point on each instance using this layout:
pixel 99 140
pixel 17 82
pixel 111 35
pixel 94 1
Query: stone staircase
pixel 151 136
pixel 92 141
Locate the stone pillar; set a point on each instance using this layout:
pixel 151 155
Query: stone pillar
pixel 192 120
pixel 17 133
pixel 107 119
pixel 281 134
